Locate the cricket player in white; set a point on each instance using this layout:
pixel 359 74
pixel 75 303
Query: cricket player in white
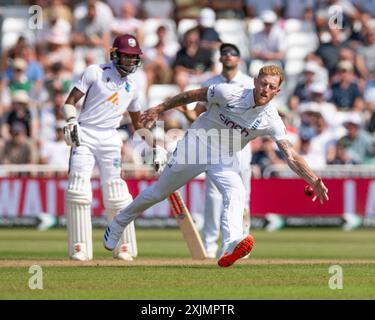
pixel 230 57
pixel 109 91
pixel 246 114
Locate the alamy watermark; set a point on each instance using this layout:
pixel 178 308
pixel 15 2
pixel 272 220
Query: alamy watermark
pixel 336 17
pixel 36 280
pixel 336 281
pixel 36 17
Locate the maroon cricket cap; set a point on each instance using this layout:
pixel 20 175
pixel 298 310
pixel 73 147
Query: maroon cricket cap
pixel 127 44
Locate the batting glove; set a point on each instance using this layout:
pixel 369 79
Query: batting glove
pixel 160 159
pixel 72 133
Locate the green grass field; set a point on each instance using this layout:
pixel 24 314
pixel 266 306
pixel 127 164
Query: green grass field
pixel 289 264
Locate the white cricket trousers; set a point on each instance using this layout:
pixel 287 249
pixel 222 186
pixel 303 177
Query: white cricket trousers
pixel 213 204
pixel 175 175
pixel 101 147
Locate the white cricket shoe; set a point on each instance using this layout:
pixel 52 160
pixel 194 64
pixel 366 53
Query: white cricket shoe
pixel 79 252
pixel 112 235
pixel 122 253
pixel 124 256
pixel 79 256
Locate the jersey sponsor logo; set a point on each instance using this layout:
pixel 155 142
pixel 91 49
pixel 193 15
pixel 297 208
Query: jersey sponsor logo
pixel 113 99
pixel 233 125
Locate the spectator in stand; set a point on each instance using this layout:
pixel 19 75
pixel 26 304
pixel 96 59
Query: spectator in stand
pixel 186 9
pixel 17 78
pixel 93 31
pixel 357 142
pixel 193 64
pixel 345 92
pixel 103 9
pixel 209 38
pixel 58 51
pixel 370 158
pixel 58 79
pixel 301 92
pixel 159 59
pixel 128 23
pixel 266 155
pixel 329 51
pixel 318 102
pixel 54 24
pixel 301 10
pixel 116 6
pixel 19 149
pixel 254 8
pixel 325 11
pixel 340 155
pixel 315 160
pixel 49 115
pixel 365 7
pixel 367 50
pixel 21 111
pixel 60 9
pixel 55 152
pixel 356 59
pixel 226 9
pixel 321 138
pixel 34 70
pixel 269 45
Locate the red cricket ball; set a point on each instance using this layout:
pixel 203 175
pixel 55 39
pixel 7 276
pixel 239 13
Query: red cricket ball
pixel 309 191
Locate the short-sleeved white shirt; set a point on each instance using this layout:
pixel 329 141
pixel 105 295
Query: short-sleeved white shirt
pixel 107 96
pixel 246 82
pixel 232 107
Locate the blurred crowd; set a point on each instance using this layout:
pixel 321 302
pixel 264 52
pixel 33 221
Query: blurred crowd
pixel 329 112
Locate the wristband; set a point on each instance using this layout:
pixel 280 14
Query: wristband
pixel 69 111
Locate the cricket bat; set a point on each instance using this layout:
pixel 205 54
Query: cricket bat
pixel 187 226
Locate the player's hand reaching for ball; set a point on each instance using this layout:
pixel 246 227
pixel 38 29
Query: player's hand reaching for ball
pixel 320 191
pixel 149 117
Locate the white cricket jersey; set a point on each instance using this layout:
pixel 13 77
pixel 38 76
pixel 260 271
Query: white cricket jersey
pixel 107 96
pixel 243 81
pixel 232 107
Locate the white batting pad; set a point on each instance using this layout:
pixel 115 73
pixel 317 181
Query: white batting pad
pixel 115 197
pixel 78 213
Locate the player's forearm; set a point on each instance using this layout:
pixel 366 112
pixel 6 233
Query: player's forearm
pixel 302 169
pixel 296 162
pixel 184 98
pixel 68 108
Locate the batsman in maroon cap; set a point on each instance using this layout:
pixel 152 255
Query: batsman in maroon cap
pixel 109 92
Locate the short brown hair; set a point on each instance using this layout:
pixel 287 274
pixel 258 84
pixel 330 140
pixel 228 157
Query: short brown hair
pixel 272 70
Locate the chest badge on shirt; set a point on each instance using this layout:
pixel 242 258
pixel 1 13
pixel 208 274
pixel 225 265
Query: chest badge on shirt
pixel 114 98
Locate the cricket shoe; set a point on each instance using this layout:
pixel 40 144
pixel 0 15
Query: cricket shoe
pixel 122 253
pixel 112 235
pixel 236 251
pixel 79 252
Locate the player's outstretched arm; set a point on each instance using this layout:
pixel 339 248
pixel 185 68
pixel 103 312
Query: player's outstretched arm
pixel 149 117
pixel 302 169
